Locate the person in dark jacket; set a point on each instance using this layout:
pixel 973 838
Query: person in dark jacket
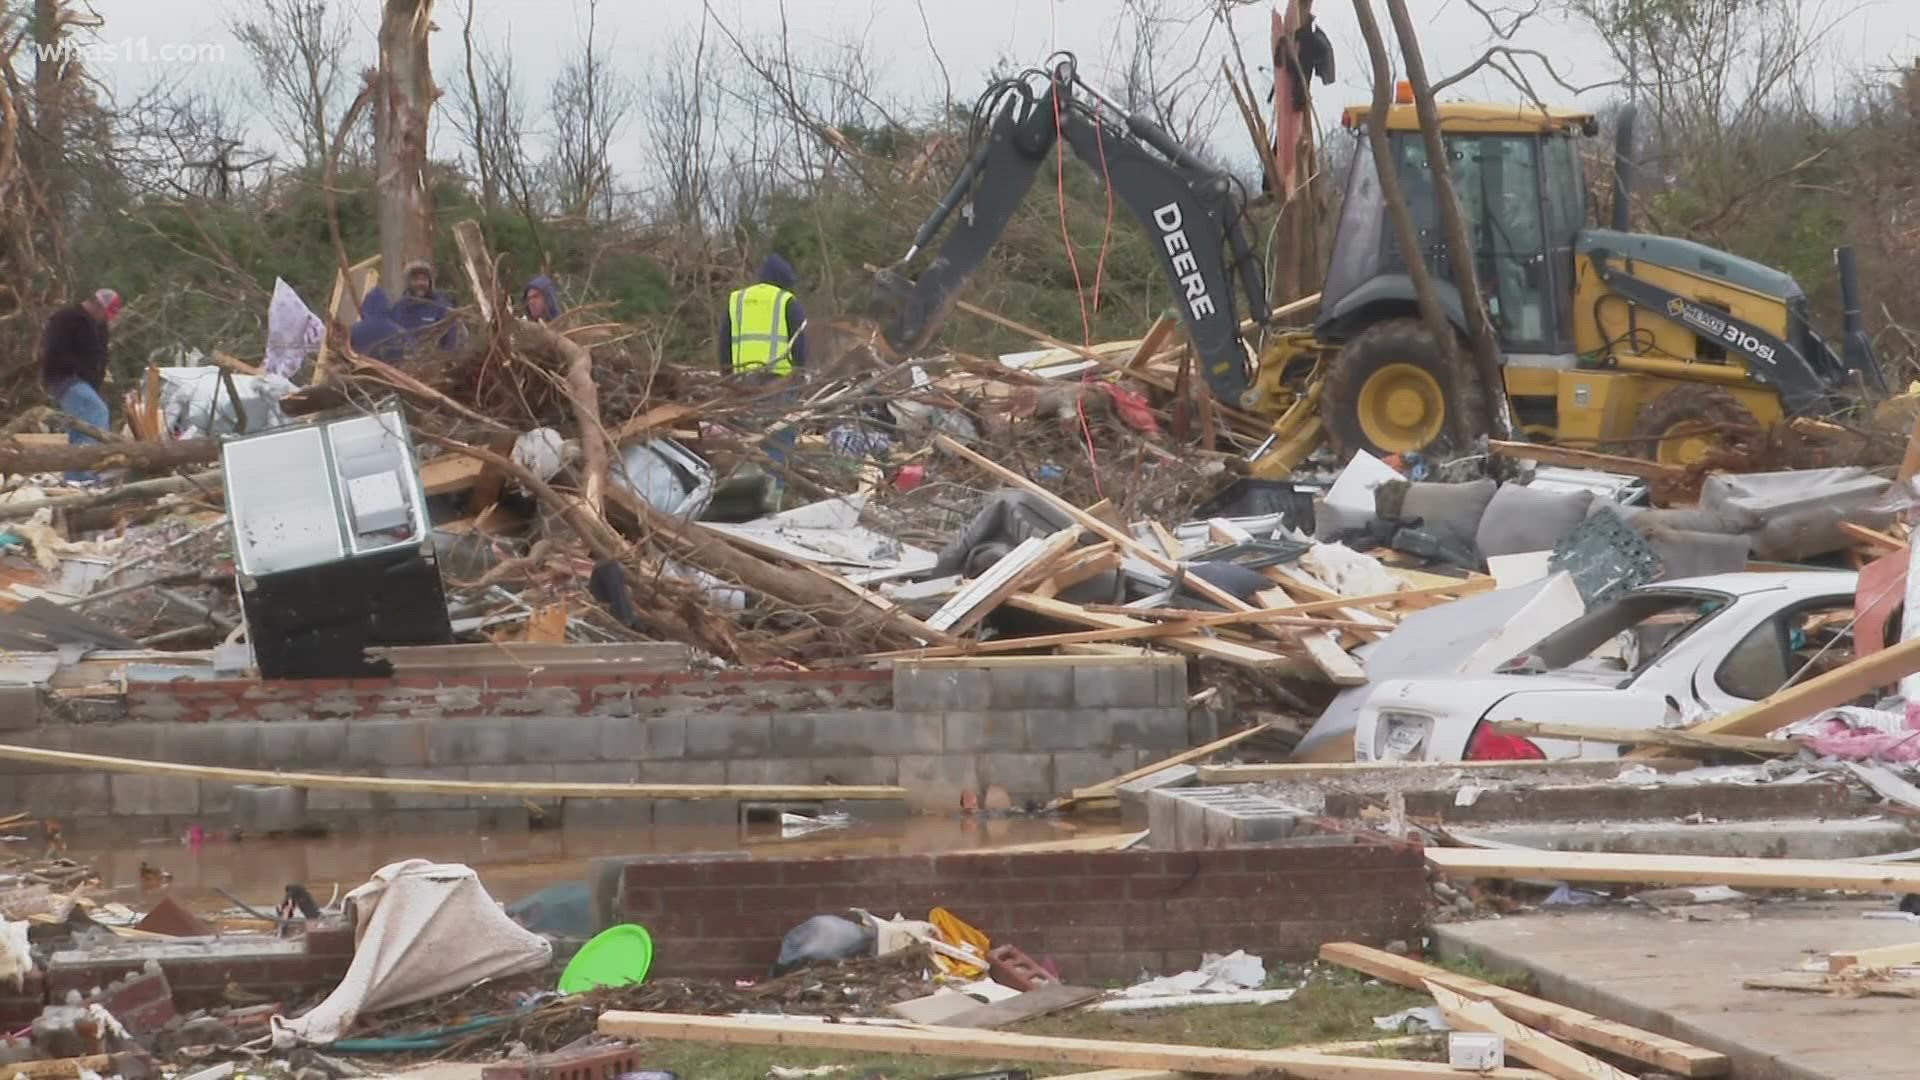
pixel 73 363
pixel 424 313
pixel 376 334
pixel 541 300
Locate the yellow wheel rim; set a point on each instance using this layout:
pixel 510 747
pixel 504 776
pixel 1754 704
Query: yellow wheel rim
pixel 1686 443
pixel 1402 408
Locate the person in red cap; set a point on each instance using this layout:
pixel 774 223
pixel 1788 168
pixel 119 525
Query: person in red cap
pixel 73 363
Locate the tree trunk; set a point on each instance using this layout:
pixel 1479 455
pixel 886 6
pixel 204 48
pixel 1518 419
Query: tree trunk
pixel 137 491
pixel 19 460
pixel 49 156
pixel 403 106
pixel 1390 191
pixel 1486 351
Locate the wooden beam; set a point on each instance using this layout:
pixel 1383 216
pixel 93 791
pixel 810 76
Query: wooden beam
pixel 449 473
pixel 1176 635
pixel 1108 787
pixel 1033 558
pixel 1679 738
pixel 1332 660
pixel 1837 687
pixel 1285 772
pixel 1157 335
pixel 1676 869
pixel 1873 537
pixel 1006 1046
pixel 1586 459
pixel 1543 1052
pixel 1560 1021
pixel 463 788
pixel 1887 956
pixel 1812 982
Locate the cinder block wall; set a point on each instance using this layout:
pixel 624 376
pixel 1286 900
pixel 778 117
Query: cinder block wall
pixel 1101 916
pixel 936 728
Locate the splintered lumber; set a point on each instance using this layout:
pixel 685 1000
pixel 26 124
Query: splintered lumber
pixel 1680 738
pixel 1107 787
pixel 1545 1053
pixel 1873 537
pixel 1289 771
pixel 1887 956
pixel 1586 459
pixel 1157 335
pixel 1837 687
pixel 65 759
pixel 1042 1000
pixel 450 473
pixel 660 416
pixel 1176 635
pixel 22 459
pixel 1016 568
pixel 1332 660
pixel 1812 982
pixel 1006 1046
pixel 1676 869
pixel 1560 1021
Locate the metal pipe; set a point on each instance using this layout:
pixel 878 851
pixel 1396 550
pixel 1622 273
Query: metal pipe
pixel 1683 369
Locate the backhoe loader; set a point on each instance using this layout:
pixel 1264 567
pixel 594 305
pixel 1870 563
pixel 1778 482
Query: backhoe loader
pixel 1607 337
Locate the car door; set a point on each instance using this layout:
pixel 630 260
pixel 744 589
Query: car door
pixel 1799 641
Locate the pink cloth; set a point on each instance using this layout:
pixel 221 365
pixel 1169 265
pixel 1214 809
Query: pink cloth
pixel 1836 735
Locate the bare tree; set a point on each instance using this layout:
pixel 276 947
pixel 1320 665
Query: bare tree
pixel 590 104
pixel 674 114
pixel 403 105
pixel 298 49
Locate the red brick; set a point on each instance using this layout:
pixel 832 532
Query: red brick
pixel 508 682
pixel 740 872
pixel 1160 886
pixel 1161 936
pixel 1112 967
pixel 415 682
pixel 1080 939
pixel 783 899
pixel 380 684
pixel 716 898
pixel 641 876
pixel 1057 865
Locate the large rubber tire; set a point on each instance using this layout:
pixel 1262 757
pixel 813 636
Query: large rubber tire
pixel 1690 424
pixel 1393 390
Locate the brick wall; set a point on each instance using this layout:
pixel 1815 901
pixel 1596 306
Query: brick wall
pixel 198 970
pixel 1101 916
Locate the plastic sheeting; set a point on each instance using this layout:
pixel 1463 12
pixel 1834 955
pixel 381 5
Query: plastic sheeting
pixel 668 476
pixel 421 929
pixel 294 332
pixel 201 401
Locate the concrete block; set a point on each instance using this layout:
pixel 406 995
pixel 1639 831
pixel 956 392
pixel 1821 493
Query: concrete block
pixel 553 738
pixel 322 801
pixel 64 794
pixel 1030 687
pixel 154 795
pixel 696 812
pixel 683 772
pixel 614 700
pixel 1163 819
pixel 1116 686
pixel 1133 794
pixel 415 801
pixel 1248 820
pixel 386 743
pixel 597 772
pixel 1070 729
pixel 478 740
pixel 769 771
pixel 314 745
pixel 1026 777
pixel 556 701
pixel 224 745
pixel 729 735
pixel 666 737
pixel 606 813
pixel 872 731
pixel 872 769
pixel 988 731
pixel 1084 768
pixel 1158 728
pixel 938 688
pixel 934 782
pixel 1176 817
pixel 1170 682
pixel 261 809
pixel 19 707
pixel 138 741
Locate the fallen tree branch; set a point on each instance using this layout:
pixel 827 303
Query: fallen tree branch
pixel 140 489
pixel 20 460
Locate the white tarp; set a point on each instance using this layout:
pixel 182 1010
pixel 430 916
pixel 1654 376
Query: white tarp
pixel 421 929
pixel 294 332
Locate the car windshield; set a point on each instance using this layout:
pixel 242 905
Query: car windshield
pixel 1624 637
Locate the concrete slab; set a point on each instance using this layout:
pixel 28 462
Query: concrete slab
pixel 1785 839
pixel 1683 979
pixel 1614 802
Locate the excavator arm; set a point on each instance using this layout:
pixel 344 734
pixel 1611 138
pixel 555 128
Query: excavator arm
pixel 1192 211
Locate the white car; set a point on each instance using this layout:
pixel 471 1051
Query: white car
pixel 1665 654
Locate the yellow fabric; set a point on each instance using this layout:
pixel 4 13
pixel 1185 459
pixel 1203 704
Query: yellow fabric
pixel 961 935
pixel 758 316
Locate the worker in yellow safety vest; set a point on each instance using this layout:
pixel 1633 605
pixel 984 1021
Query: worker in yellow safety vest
pixel 763 333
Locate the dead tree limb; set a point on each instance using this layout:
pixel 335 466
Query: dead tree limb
pixel 16 459
pixel 204 483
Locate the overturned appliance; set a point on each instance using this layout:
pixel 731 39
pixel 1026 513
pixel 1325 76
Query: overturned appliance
pixel 333 547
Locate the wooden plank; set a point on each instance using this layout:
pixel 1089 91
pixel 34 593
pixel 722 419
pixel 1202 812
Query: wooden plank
pixel 1119 841
pixel 1837 687
pixel 1108 787
pixel 1676 869
pixel 1332 660
pixel 1680 738
pixel 1586 459
pixel 1006 1046
pixel 1873 537
pixel 1121 538
pixel 1560 1021
pixel 1177 635
pixel 660 416
pixel 548 624
pixel 1287 772
pixel 405 786
pixel 1123 1074
pixel 531 656
pixel 1040 1001
pixel 1157 335
pixel 1033 558
pixel 1812 982
pixel 449 473
pixel 1545 1053
pixel 1886 956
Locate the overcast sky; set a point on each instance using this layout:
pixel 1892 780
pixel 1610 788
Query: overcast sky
pixel 971 36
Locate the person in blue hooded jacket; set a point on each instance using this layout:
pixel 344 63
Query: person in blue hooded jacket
pixel 541 300
pixel 424 313
pixel 376 334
